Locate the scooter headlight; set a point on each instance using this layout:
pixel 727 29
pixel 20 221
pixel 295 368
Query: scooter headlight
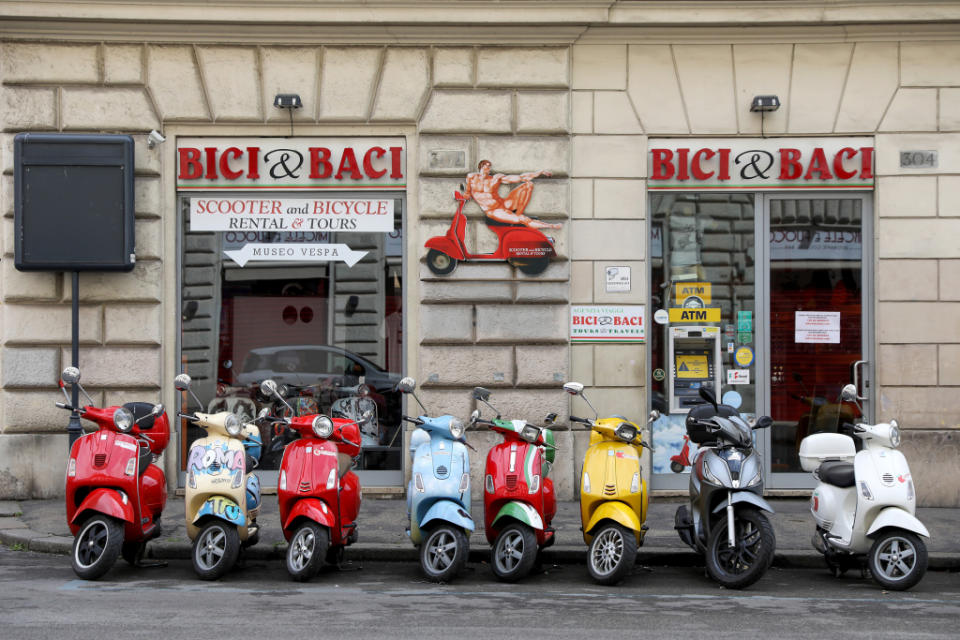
pixel 529 433
pixel 755 480
pixel 894 434
pixel 322 427
pixel 232 424
pixel 456 428
pixel 708 475
pixel 123 419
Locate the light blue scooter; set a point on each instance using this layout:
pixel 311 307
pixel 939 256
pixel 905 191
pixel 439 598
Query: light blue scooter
pixel 438 496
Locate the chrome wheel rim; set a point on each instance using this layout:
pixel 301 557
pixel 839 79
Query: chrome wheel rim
pixel 896 558
pixel 211 546
pixel 509 551
pixel 606 552
pixel 301 549
pixel 91 543
pixel 441 261
pixel 441 551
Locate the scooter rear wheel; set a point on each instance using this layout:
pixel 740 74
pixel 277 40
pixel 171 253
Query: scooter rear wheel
pixel 97 546
pixel 514 553
pixel 741 566
pixel 444 553
pixel 307 551
pixel 215 550
pixel 676 467
pixel 440 263
pixel 531 266
pixel 897 560
pixel 612 554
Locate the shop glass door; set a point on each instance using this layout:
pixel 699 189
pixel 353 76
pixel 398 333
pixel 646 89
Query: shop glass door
pixel 819 318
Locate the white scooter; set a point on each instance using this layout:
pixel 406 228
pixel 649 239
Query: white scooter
pixel 865 503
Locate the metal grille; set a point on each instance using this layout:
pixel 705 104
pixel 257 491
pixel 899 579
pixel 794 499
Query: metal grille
pixel 214 467
pixel 100 459
pixel 441 470
pixel 511 481
pixel 887 479
pixel 305 486
pixel 609 489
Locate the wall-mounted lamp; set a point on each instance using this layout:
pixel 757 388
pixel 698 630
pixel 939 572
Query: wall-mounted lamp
pixel 288 101
pixel 765 103
pixel 154 138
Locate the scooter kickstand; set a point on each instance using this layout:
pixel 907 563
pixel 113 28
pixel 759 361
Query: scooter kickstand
pixel 140 563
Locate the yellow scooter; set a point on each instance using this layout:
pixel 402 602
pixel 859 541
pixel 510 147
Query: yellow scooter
pixel 613 495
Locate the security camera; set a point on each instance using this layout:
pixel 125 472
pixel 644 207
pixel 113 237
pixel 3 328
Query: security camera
pixel 154 138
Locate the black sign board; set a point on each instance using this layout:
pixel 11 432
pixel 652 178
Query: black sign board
pixel 74 204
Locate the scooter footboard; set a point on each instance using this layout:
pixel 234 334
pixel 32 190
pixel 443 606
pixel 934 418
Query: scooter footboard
pixel 312 509
pixel 897 518
pixel 449 511
pixel 747 497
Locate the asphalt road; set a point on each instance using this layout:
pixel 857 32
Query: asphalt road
pixel 41 598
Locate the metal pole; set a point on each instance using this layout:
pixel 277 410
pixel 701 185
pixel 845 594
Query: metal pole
pixel 73 428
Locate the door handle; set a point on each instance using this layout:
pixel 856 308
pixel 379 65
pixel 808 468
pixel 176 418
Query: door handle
pixel 856 378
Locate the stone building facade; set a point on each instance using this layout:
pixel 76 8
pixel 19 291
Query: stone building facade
pixel 577 89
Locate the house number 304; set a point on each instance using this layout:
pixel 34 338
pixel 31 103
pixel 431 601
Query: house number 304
pixel 918 159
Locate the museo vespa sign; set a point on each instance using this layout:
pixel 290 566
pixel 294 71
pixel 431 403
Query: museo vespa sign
pixel 250 164
pixel 765 164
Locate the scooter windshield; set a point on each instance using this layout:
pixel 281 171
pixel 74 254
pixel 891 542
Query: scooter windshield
pixel 735 431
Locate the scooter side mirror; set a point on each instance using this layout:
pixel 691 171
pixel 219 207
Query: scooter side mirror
pixel 474 417
pixel 406 385
pixel 263 413
pixel 550 419
pixel 763 422
pixel 849 393
pixel 479 393
pixel 270 387
pixel 573 388
pixel 157 409
pixel 654 415
pixel 182 382
pixel 707 395
pixel 70 375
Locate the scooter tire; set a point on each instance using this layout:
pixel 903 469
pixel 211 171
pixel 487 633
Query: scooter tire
pixel 531 266
pixel 220 536
pixel 440 263
pixel 888 572
pixel 436 564
pixel 307 551
pixel 132 552
pixel 676 467
pixel 724 567
pixel 612 554
pixel 512 569
pixel 96 546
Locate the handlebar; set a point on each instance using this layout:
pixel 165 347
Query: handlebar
pixel 580 420
pixel 68 407
pixel 416 421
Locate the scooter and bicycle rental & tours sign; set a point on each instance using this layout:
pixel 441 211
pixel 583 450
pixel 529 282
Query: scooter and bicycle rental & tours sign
pixel 230 174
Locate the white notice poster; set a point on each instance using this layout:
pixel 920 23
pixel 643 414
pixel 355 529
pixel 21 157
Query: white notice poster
pixel 817 327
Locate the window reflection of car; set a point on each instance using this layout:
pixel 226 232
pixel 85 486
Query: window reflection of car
pixel 309 364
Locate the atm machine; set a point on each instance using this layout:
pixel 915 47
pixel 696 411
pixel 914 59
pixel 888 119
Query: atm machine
pixel 694 357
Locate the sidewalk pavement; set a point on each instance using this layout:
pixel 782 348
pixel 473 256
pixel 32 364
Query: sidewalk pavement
pixel 40 525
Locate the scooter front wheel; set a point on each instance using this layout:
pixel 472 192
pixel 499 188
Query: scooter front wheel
pixel 307 550
pixel 97 546
pixel 440 263
pixel 897 560
pixel 215 550
pixel 612 554
pixel 743 564
pixel 676 467
pixel 514 553
pixel 444 553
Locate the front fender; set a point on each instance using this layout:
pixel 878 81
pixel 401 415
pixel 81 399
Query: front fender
pixel 443 244
pixel 222 508
pixel 312 509
pixel 745 496
pixel 897 518
pixel 448 511
pixel 617 511
pixel 520 511
pixel 106 501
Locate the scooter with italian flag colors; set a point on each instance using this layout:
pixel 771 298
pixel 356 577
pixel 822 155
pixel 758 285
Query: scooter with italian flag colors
pixel 438 496
pixel 613 495
pixel 518 498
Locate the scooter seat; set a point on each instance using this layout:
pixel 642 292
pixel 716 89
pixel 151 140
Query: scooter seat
pixel 496 223
pixel 838 473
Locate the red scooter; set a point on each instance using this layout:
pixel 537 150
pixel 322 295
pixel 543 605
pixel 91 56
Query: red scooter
pixel 681 461
pixel 319 495
pixel 518 498
pixel 115 494
pixel 525 248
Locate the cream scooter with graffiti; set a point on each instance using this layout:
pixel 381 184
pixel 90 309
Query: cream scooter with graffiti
pixel 222 494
